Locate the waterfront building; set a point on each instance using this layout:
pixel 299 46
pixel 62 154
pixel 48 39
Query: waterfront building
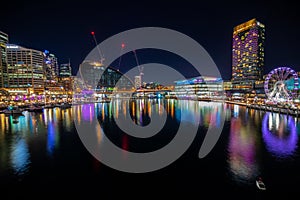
pixel 227 86
pixel 54 91
pixel 247 55
pixel 25 69
pixel 3 59
pixel 198 88
pixel 137 81
pixel 60 90
pixel 65 70
pixel 259 89
pixel 100 79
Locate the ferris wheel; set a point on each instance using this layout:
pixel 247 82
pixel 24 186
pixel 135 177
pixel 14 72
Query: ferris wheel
pixel 281 84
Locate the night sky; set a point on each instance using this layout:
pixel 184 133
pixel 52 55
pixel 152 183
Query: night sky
pixel 63 27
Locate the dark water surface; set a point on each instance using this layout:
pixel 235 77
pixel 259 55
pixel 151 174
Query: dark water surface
pixel 42 152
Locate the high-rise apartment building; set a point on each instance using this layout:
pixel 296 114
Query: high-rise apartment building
pixel 247 54
pixel 3 59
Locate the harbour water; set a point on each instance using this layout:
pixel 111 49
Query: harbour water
pixel 43 152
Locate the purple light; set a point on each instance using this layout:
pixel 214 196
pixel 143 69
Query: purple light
pixel 280 147
pixel 242 152
pixel 88 112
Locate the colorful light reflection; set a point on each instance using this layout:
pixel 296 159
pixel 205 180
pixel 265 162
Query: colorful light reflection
pixel 242 151
pixel 88 112
pixel 20 157
pixel 279 134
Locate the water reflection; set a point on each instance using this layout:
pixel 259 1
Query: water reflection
pixel 251 134
pixel 279 134
pixel 202 113
pixel 88 112
pixel 52 119
pixel 52 138
pixel 30 133
pixel 20 157
pixel 140 110
pixel 243 148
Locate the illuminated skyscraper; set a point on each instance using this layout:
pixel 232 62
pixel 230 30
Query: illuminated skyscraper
pixel 3 59
pixel 51 67
pixel 65 70
pixel 247 54
pixel 25 68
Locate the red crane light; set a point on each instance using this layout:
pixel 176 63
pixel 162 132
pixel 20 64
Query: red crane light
pixel 123 45
pixel 93 33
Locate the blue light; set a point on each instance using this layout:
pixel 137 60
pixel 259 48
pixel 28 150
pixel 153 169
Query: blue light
pixel 51 138
pixel 20 156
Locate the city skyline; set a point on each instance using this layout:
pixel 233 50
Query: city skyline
pixel 66 32
pixel 75 124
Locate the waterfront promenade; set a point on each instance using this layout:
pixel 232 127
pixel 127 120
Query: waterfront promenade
pixel 281 109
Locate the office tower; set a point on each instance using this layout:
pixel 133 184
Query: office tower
pixel 65 70
pixel 51 67
pixel 25 68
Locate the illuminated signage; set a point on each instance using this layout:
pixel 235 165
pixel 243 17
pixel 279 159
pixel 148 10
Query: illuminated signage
pixel 17 91
pixel 12 46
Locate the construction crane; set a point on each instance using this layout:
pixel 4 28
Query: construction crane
pixel 140 68
pixel 99 51
pixel 122 48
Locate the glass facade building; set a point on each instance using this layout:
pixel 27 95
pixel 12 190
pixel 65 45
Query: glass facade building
pixel 65 70
pixel 25 68
pixel 51 65
pixel 3 59
pixel 96 77
pixel 247 54
pixel 199 88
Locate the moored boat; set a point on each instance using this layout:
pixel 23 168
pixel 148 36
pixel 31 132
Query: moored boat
pixel 35 108
pixel 65 105
pixel 13 110
pixel 260 184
